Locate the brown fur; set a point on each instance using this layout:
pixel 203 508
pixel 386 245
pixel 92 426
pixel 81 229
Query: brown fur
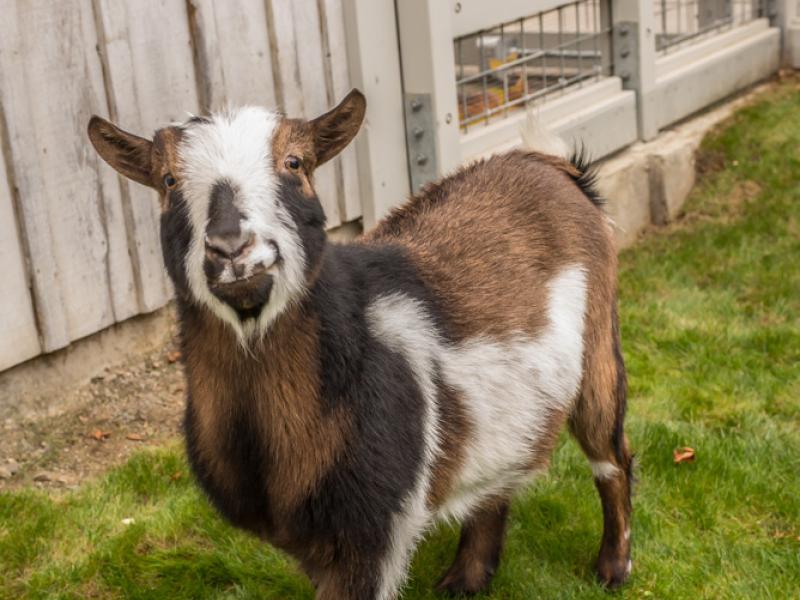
pixel 478 550
pixel 510 224
pixel 454 428
pixel 305 442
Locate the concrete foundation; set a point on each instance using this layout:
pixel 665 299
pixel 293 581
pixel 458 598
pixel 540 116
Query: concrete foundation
pixel 648 182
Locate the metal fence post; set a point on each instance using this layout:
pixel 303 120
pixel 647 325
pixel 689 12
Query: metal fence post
pixel 429 88
pixel 634 48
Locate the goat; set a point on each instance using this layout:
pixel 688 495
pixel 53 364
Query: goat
pixel 343 397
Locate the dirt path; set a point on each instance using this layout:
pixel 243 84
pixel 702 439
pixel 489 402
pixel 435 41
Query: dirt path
pixel 126 408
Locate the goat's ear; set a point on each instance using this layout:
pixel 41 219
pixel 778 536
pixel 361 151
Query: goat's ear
pixel 129 154
pixel 334 130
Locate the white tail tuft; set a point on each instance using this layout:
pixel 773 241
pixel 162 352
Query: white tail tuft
pixel 537 137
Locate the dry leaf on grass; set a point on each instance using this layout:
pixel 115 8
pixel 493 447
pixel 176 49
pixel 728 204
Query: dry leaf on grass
pixel 779 535
pixel 173 356
pixel 134 437
pixel 99 435
pixel 176 475
pixel 683 455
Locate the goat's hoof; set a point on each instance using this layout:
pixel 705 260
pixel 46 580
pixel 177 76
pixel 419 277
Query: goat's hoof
pixel 461 581
pixel 612 573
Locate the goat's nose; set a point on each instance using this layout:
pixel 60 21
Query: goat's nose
pixel 231 245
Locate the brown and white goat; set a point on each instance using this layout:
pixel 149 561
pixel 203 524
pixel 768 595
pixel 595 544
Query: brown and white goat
pixel 343 397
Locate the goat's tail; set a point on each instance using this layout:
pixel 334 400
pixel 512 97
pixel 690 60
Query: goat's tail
pixel 536 137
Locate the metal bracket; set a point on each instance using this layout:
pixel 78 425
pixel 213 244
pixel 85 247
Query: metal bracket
pixel 420 140
pixel 625 44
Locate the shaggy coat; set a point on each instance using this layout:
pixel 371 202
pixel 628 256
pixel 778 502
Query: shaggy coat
pixel 343 397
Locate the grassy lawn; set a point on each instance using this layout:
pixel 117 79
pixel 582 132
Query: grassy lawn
pixel 710 311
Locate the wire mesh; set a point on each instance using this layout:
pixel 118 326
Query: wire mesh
pixel 682 22
pixel 507 67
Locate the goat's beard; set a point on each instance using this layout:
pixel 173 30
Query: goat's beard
pixel 246 296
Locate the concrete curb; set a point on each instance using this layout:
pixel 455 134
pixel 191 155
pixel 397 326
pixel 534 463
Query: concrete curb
pixel 648 183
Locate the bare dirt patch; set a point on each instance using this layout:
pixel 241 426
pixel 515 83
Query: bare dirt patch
pixel 124 409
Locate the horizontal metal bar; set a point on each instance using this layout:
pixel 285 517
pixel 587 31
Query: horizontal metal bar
pixel 535 54
pixel 488 112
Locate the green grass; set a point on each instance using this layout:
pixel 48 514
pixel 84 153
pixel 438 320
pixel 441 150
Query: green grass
pixel 709 310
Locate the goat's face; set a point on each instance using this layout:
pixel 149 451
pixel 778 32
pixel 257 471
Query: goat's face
pixel 242 229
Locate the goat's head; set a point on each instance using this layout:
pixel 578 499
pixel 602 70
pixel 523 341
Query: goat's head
pixel 242 229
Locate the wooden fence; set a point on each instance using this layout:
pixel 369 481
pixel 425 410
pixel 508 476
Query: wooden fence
pixel 79 245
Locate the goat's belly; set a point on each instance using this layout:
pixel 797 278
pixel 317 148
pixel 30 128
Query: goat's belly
pixel 514 392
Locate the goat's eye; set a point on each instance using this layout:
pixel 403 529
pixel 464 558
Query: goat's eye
pixel 292 163
pixel 169 181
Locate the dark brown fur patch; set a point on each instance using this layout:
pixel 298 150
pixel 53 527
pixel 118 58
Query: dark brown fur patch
pixel 165 159
pixel 455 430
pixel 479 549
pixel 294 137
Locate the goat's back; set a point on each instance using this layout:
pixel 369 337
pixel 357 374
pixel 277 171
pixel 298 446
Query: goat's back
pixel 488 239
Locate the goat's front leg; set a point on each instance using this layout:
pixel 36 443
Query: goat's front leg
pixel 371 574
pixel 354 580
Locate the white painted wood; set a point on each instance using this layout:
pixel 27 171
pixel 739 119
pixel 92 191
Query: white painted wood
pixel 299 47
pixel 601 116
pixel 688 89
pixel 50 84
pixel 19 339
pixel 700 50
pixel 233 43
pixel 350 198
pixel 470 16
pixel 428 67
pixel 151 83
pixel 374 61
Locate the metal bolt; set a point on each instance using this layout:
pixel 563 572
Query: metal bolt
pixel 416 105
pixel 421 159
pixel 458 7
pixel 448 118
pixel 625 75
pixel 623 30
pixel 625 52
pixel 418 132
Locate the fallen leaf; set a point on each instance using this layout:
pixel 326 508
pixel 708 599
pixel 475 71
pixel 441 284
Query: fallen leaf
pixel 176 475
pixel 173 356
pixel 683 455
pixel 134 437
pixel 99 435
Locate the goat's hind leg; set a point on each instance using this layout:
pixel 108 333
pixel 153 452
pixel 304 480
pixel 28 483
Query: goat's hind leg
pixel 597 423
pixel 479 550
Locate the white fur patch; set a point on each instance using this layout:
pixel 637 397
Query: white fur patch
pixel 508 386
pixel 403 325
pixel 236 145
pixel 603 470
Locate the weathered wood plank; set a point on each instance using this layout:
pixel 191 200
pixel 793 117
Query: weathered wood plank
pixel 150 78
pixel 19 340
pixel 232 52
pixel 300 56
pixel 50 84
pixel 350 199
